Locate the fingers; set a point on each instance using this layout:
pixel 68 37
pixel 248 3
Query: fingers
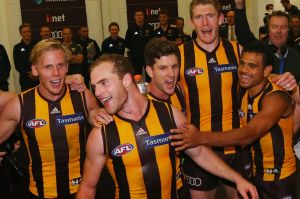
pixel 244 195
pixel 253 193
pixel 103 118
pixel 286 81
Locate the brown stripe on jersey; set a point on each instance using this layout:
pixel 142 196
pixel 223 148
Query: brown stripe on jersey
pixel 61 154
pixel 189 59
pixel 167 122
pixel 78 106
pixel 148 160
pixel 180 97
pixel 29 112
pixel 258 161
pixel 113 139
pixel 234 89
pixel 278 148
pixel 215 93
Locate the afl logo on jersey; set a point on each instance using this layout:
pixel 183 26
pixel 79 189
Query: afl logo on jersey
pixel 122 149
pixel 36 123
pixel 194 71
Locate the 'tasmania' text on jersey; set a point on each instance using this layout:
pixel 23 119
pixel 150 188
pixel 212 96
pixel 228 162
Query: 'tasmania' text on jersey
pixel 140 158
pixel 54 132
pixel 210 82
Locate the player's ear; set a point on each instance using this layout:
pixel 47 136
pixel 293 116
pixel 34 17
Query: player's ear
pixel 267 70
pixel 127 80
pixel 149 71
pixel 34 70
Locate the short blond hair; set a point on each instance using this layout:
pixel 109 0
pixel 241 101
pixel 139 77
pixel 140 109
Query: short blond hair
pixel 214 3
pixel 46 45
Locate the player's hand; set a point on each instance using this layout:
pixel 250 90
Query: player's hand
pixel 76 82
pixel 245 188
pixel 285 80
pixel 240 4
pixel 186 137
pixel 99 117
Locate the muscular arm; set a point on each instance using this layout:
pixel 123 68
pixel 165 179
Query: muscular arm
pixel 93 165
pixel 10 114
pixel 208 160
pixel 274 106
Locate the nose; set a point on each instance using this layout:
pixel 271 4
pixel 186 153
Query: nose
pixel 204 21
pixel 55 71
pixel 97 91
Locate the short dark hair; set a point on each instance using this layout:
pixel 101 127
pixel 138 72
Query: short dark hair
pixel 163 12
pixel 268 5
pixel 138 10
pixel 157 48
pixel 121 64
pixel 83 26
pixel 285 1
pixel 260 48
pixel 23 25
pixel 113 24
pixel 180 18
pixel 278 13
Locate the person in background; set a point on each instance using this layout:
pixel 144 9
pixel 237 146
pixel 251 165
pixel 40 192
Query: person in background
pixel 21 54
pixel 45 32
pixel 295 25
pixel 90 51
pixel 263 30
pixel 286 55
pixel 75 66
pixel 4 69
pixel 227 30
pixel 165 30
pixel 179 23
pixel 290 8
pixel 114 43
pixel 137 36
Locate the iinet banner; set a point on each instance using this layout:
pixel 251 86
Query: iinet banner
pixel 54 13
pixel 151 9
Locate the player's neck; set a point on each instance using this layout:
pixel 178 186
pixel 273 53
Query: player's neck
pixel 135 105
pixel 208 47
pixel 156 92
pixel 254 90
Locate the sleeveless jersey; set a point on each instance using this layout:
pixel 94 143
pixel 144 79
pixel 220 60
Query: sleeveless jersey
pixel 210 83
pixel 177 99
pixel 139 156
pixel 273 156
pixel 54 133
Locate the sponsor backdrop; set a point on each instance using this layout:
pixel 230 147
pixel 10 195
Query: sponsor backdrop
pixel 54 13
pixel 151 8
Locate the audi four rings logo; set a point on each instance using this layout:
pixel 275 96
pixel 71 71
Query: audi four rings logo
pixel 193 181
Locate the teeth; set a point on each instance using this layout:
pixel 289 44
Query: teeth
pixel 105 99
pixel 170 81
pixel 55 81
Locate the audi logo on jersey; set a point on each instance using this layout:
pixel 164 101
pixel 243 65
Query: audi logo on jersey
pixel 35 123
pixel 122 150
pixel 194 71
